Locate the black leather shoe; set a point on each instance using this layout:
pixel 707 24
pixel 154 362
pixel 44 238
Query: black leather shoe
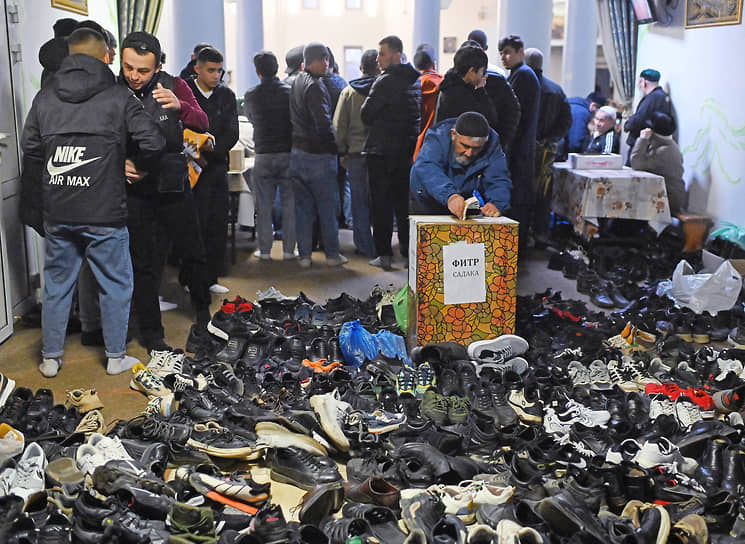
pixel 301 468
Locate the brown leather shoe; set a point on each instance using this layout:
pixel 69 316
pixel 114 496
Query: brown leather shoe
pixel 373 491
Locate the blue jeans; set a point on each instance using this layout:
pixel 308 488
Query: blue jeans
pixel 106 249
pixel 271 171
pixel 363 240
pixel 316 193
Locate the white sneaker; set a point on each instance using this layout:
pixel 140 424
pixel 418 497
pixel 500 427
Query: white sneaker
pixel 331 414
pixel 165 362
pixel 617 378
pixel 510 532
pixel 7 477
pixel 7 386
pixel 289 256
pixel 458 501
pixel 109 447
pixel 584 415
pixel 262 256
pixel 117 365
pixel 162 406
pixel 339 260
pixel 49 367
pixel 88 458
pixel 166 306
pixel 30 472
pixel 729 365
pixel 146 382
pixel 11 441
pixel 599 378
pixel 497 349
pixel 304 262
pixel 217 289
pixel 553 424
pixel 271 292
pixel 579 374
pixel 486 493
pixel 661 451
pixel 686 413
pixel 660 405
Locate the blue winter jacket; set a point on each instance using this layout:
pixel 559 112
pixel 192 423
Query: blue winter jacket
pixel 436 175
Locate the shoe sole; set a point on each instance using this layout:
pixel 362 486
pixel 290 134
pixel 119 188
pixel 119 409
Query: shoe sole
pixel 10 385
pixel 701 338
pixel 247 453
pixel 277 436
pixel 523 415
pixel 281 478
pixel 212 329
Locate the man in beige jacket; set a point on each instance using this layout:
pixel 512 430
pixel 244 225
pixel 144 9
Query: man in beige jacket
pixel 351 134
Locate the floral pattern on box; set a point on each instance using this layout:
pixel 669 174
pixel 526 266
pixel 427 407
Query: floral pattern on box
pixel 583 196
pixel 465 323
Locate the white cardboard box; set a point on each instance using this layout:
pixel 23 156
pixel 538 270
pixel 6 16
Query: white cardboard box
pixel 609 161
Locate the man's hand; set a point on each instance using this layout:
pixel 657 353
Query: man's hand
pixel 456 205
pixel 490 210
pixel 131 173
pixel 646 133
pixel 166 98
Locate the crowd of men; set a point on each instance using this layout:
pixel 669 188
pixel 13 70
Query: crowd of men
pixel 108 183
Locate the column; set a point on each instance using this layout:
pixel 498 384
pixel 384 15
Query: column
pixel 195 21
pixel 580 49
pixel 426 26
pixel 250 37
pixel 529 20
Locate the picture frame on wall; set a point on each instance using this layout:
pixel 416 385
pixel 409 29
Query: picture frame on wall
pixel 449 44
pixel 76 6
pixel 703 13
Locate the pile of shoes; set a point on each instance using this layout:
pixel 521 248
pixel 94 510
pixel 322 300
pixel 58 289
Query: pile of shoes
pixel 582 427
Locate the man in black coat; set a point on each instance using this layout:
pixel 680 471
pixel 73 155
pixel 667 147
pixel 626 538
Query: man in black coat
pixel 521 158
pixel 654 99
pixel 267 106
pixel 211 191
pixel 554 122
pixel 392 111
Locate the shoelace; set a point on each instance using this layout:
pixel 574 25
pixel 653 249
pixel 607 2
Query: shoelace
pixel 482 398
pixel 149 380
pixel 90 423
pixel 25 472
pixel 158 359
pixel 181 383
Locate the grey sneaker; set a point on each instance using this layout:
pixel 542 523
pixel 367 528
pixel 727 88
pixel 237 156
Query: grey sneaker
pixel 599 378
pixel 339 260
pixel 50 366
pixel 579 373
pixel 304 262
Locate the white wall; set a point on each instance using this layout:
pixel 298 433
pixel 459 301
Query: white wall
pixel 703 70
pixel 36 20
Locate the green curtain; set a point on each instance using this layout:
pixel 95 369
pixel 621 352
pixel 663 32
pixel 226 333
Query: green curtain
pixel 138 15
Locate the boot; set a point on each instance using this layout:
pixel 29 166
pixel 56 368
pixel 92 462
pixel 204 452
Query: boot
pixel 709 472
pixel 733 471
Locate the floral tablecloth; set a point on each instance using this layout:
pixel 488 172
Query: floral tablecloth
pixel 583 196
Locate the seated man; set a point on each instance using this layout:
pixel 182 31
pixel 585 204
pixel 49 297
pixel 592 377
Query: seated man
pixel 459 156
pixel 604 138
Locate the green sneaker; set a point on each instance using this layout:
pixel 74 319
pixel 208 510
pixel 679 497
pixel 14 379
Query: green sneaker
pixel 192 521
pixel 425 378
pixel 458 409
pixel 435 407
pixel 406 382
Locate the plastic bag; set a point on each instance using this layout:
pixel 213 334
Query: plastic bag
pixel 401 308
pixel 730 232
pixel 357 344
pixel 705 292
pixel 392 345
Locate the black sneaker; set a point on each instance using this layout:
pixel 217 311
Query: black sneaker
pixel 127 526
pixel 15 408
pixel 224 376
pixel 301 468
pixel 199 406
pixel 269 524
pixel 233 350
pixel 200 341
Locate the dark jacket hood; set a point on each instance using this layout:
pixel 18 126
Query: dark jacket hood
pixel 452 79
pixel 52 53
pixel 81 76
pixel 362 85
pixel 405 71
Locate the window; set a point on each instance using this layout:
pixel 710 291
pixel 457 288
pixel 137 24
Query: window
pixel 310 4
pixel 354 4
pixel 352 58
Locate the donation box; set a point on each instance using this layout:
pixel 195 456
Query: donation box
pixel 462 276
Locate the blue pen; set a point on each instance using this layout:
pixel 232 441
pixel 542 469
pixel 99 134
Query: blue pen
pixel 478 197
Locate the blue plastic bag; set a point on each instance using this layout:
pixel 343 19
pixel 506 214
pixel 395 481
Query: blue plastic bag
pixel 392 345
pixel 357 344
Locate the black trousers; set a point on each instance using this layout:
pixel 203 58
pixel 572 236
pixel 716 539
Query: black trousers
pixel 522 201
pixel 389 195
pixel 212 202
pixel 154 223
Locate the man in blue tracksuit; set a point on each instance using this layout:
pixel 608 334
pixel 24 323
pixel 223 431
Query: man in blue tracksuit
pixel 459 156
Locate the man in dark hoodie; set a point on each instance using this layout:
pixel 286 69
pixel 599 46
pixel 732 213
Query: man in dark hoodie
pixel 74 130
pixel 267 106
pixel 294 61
pixel 464 87
pixel 161 206
pixel 187 72
pixel 351 134
pixel 392 112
